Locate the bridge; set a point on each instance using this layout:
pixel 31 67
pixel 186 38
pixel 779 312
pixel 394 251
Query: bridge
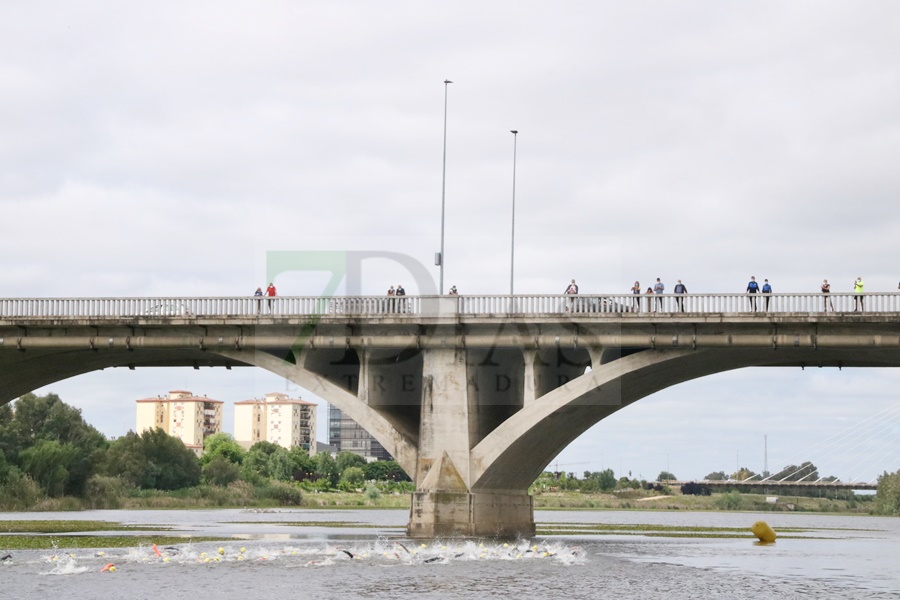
pixel 473 395
pixel 780 487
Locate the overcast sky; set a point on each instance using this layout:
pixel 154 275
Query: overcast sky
pixel 164 148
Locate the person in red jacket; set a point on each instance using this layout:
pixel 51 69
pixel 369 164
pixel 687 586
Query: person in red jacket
pixel 270 293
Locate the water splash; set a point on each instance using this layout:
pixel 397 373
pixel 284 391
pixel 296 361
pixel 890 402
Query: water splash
pixel 380 552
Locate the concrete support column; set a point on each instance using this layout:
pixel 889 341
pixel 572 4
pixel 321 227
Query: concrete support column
pixel 444 503
pixel 444 421
pixel 530 378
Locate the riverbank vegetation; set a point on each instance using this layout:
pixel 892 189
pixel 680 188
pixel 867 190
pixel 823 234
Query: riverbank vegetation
pixel 51 459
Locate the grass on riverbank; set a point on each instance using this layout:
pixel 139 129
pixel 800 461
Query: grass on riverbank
pixel 68 526
pixel 51 535
pixel 647 500
pixel 244 496
pixel 58 542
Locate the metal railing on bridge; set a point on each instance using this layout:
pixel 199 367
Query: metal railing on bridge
pixel 616 305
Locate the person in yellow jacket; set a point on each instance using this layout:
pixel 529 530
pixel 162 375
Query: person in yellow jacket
pixel 859 301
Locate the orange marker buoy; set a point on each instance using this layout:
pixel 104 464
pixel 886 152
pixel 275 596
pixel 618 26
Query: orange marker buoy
pixel 765 533
pixel 155 549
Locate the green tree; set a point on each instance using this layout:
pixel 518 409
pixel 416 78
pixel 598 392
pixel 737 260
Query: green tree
pixel 384 470
pixel 153 460
pixel 304 465
pixel 598 480
pixel 49 464
pixel 220 471
pixel 716 476
pixel 607 480
pixel 8 444
pixel 326 468
pixel 270 461
pixel 257 459
pixel 222 444
pixel 352 478
pixel 887 497
pixel 743 474
pixel 281 467
pixel 346 460
pixel 5 468
pixel 33 419
pixel 666 476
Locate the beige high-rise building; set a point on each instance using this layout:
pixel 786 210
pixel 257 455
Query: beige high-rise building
pixel 181 414
pixel 276 418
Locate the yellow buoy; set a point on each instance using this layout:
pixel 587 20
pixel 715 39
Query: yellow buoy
pixel 765 533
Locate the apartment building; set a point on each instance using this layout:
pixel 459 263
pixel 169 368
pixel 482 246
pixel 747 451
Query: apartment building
pixel 278 419
pixel 181 414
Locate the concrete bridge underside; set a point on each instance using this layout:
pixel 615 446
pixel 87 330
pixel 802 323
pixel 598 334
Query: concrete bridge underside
pixel 474 414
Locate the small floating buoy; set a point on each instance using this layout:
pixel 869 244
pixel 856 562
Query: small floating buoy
pixel 765 533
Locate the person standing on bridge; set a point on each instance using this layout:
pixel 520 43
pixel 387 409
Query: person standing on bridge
pixel 258 295
pixel 270 293
pixel 636 301
pixel 649 294
pixel 826 289
pixel 858 302
pixel 658 289
pixel 572 290
pixel 753 289
pixel 401 304
pixel 680 290
pixel 767 289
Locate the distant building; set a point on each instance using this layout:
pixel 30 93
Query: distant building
pixel 347 435
pixel 278 419
pixel 181 414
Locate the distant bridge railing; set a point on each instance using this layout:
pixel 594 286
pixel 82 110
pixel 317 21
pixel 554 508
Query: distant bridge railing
pixel 614 305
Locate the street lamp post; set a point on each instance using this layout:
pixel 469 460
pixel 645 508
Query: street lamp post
pixel 512 252
pixel 447 83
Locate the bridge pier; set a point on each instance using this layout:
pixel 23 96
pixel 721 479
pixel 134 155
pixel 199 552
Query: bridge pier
pixel 481 514
pixel 455 413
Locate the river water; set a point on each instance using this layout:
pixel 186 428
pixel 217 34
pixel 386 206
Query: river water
pixel 365 555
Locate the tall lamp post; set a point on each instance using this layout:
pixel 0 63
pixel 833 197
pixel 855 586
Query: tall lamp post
pixel 512 252
pixel 440 257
